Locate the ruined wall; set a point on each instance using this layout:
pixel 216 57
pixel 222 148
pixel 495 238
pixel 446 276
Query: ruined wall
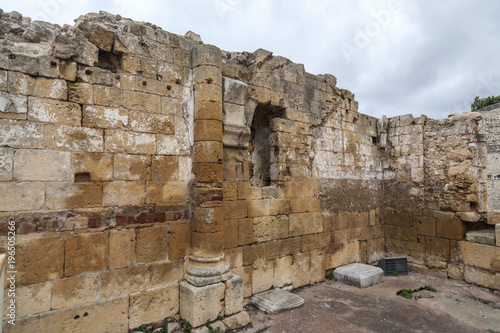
pixel 490 126
pixel 125 149
pixel 95 132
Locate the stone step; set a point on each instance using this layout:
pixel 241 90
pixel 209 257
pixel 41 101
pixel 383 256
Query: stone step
pixel 277 300
pixel 483 236
pixel 359 275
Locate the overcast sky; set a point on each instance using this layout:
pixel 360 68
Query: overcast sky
pixel 398 56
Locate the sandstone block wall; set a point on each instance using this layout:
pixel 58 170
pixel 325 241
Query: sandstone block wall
pixel 124 149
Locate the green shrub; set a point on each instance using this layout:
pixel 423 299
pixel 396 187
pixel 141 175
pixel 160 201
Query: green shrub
pixel 480 103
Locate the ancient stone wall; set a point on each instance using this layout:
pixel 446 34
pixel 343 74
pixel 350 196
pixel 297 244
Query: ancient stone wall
pixel 135 162
pixel 490 126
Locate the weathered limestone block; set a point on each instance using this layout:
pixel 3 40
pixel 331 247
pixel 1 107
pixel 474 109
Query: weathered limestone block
pixel 179 241
pixel 151 123
pixel 493 217
pixel 235 91
pixel 121 248
pixel 22 134
pixel 34 265
pixel 165 168
pixel 171 106
pixel 341 254
pixel 86 253
pixel 208 219
pixel 301 266
pixel 152 244
pixel 49 88
pixel 283 271
pixel 262 276
pixel 305 223
pixel 207 245
pixel 98 35
pixel 208 130
pixel 230 234
pixel 208 172
pixel 132 167
pixel 207 152
pixel 79 50
pixel 207 92
pixel 153 304
pixel 451 229
pixel 437 248
pixel 81 93
pixel 208 110
pixel 165 273
pixel 52 111
pixel 175 192
pixel 119 141
pixel 173 145
pixel 14 104
pixel 480 255
pixel 21 196
pixel 317 266
pixel 207 74
pixel 32 299
pixel 207 55
pixel 103 316
pixel 104 117
pixel 268 228
pixel 6 163
pixel 142 101
pixel 233 256
pixel 123 281
pixel 107 96
pixel 42 165
pixel 73 195
pixel 98 165
pixel 233 298
pixel 245 231
pixel 482 277
pixel 237 321
pixel 79 138
pixel 75 290
pixel 201 304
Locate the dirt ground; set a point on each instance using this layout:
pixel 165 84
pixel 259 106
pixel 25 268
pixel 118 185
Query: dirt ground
pixel 335 307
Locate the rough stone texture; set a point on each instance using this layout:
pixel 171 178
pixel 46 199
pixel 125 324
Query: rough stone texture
pixel 277 300
pixel 115 135
pixel 199 304
pixel 233 298
pixel 153 304
pixel 359 275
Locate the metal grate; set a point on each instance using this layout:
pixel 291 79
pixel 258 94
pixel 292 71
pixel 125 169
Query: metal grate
pixel 395 265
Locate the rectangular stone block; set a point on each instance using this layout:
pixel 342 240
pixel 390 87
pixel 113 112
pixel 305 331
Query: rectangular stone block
pixel 107 96
pixel 437 248
pixel 230 234
pixel 123 281
pixel 480 255
pixel 175 192
pixel 31 299
pixel 104 117
pixel 50 88
pixel 152 244
pixel 454 229
pixel 32 262
pixel 282 271
pixel 234 257
pixel 21 196
pixel 51 111
pixel 425 225
pixel 201 304
pixel 482 277
pixel 81 93
pixel 13 104
pixel 173 145
pixel 208 110
pixel 165 168
pixel 42 165
pixel 246 274
pixel 103 316
pixel 151 123
pixel 301 267
pixel 179 241
pixel 79 138
pixel 132 167
pixel 77 195
pixel 75 290
pixel 171 106
pixel 142 101
pixel 254 254
pixel 134 64
pixel 154 192
pixel 290 246
pixel 86 253
pixel 359 275
pixel 23 134
pixel 262 276
pixel 119 141
pixel 305 223
pixel 235 209
pixel 342 254
pixel 20 83
pixel 6 164
pixel 245 231
pixel 98 165
pixel 234 295
pixel 317 265
pixel 165 273
pixel 121 248
pixel 153 304
pixel 268 228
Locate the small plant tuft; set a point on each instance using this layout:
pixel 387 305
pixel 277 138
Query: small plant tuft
pixel 406 293
pixel 330 276
pixel 186 326
pixel 255 305
pixel 430 288
pixel 395 273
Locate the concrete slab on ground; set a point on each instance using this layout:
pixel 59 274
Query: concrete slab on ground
pixel 359 275
pixel 277 300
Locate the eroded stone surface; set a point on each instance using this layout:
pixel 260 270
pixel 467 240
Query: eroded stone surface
pixel 359 275
pixel 277 300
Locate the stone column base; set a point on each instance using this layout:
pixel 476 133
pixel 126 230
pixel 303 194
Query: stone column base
pixel 202 304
